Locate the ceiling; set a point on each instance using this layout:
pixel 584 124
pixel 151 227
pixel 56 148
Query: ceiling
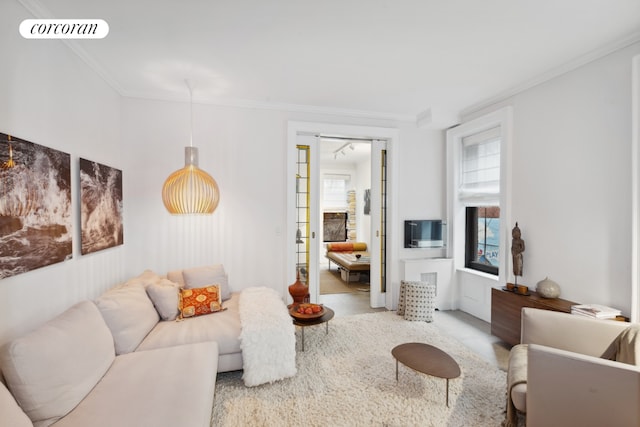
pixel 406 60
pixel 343 153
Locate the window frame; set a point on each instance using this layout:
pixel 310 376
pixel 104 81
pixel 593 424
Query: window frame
pixel 326 202
pixel 456 217
pixel 471 243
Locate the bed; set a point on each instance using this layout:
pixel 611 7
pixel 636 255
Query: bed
pixel 349 256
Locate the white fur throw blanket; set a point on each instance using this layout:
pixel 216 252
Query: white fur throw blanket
pixel 268 339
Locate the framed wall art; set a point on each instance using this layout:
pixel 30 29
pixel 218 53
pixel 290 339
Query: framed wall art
pixel 367 201
pixel 35 206
pixel 100 207
pixel 334 225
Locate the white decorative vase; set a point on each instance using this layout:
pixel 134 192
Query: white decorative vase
pixel 548 288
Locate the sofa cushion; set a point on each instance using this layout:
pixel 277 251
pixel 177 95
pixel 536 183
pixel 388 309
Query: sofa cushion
pixel 171 386
pixel 12 415
pixel 199 301
pixel 207 275
pixel 165 297
pixel 517 376
pixel 146 278
pixel 177 277
pixel 52 369
pixel 519 397
pixel 222 327
pixel 628 346
pixel 130 315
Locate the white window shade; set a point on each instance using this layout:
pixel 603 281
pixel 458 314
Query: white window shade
pixel 480 166
pixel 335 191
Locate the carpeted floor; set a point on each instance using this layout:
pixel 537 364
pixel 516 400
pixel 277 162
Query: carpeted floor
pixel 347 378
pixel 332 283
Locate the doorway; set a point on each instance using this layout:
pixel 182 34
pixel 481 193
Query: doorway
pixel 345 182
pixel 304 219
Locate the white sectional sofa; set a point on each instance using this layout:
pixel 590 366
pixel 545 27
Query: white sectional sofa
pixel 116 361
pixel 578 372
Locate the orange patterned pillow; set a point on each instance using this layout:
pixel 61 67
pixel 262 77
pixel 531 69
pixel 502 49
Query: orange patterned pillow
pixel 198 301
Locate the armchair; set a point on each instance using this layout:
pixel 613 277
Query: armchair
pixel 572 377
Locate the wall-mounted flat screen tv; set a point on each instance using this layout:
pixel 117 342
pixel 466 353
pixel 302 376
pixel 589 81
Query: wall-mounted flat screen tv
pixel 424 233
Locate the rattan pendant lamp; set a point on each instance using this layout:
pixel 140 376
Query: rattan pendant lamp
pixel 190 190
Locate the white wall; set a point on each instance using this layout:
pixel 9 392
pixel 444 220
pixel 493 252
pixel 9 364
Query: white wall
pixel 363 182
pixel 50 97
pixel 245 151
pixel 571 189
pixel 422 189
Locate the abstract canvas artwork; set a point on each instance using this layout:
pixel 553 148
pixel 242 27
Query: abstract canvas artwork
pixel 35 206
pixel 334 225
pixel 100 206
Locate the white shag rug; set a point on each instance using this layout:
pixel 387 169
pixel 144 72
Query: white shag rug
pixel 347 378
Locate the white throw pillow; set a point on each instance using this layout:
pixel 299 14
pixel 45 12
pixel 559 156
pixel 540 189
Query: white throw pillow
pixel 165 297
pixel 130 315
pixel 208 275
pixel 50 370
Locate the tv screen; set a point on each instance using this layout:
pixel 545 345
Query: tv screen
pixel 424 233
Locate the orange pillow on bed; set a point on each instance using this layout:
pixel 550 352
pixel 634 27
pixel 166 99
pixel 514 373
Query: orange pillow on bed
pixel 340 247
pixel 198 301
pixel 346 246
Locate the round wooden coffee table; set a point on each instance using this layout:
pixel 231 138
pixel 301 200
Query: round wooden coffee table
pixel 427 359
pixel 303 323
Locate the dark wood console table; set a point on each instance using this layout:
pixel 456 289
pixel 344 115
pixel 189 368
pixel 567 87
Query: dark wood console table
pixel 506 311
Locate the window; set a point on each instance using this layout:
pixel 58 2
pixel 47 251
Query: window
pixel 479 184
pixel 482 238
pixel 478 192
pixel 334 192
pixel 480 168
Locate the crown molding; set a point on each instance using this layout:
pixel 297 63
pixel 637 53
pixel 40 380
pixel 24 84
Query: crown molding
pixel 276 106
pixel 555 72
pixel 436 119
pixel 39 11
pixel 422 119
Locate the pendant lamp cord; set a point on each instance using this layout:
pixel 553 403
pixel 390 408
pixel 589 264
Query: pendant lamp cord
pixel 190 112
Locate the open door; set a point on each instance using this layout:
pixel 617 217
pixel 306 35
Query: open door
pixel 635 184
pixel 303 200
pixel 306 217
pixel 378 209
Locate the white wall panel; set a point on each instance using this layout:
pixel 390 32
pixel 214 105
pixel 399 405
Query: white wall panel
pixel 50 97
pixel 572 181
pixel 571 168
